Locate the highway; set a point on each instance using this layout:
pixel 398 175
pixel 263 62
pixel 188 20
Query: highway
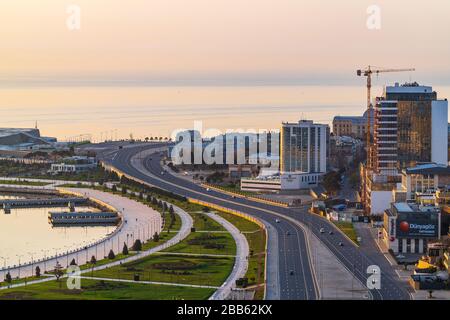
pixel 296 277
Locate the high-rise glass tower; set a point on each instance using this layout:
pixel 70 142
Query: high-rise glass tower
pixel 304 147
pixel 410 127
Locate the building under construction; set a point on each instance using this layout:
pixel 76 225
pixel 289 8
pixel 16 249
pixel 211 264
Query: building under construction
pixel 410 127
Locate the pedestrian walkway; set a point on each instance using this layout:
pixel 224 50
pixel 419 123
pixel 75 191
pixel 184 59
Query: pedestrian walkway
pixel 240 263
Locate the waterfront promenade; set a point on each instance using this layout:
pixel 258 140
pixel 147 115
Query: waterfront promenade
pixel 138 222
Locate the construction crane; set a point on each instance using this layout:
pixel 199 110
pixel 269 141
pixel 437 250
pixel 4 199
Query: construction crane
pixel 368 73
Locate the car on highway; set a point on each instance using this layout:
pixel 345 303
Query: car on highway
pixel 341 244
pixel 288 233
pixel 162 173
pixel 331 232
pixel 208 189
pixel 291 272
pixel 277 221
pixel 322 230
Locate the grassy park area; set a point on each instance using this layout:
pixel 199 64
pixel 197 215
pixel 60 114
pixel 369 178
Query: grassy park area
pixel 103 290
pixel 348 229
pixel 206 243
pixel 199 270
pixel 23 182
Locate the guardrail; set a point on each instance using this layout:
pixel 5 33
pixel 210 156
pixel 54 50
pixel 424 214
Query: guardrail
pixel 253 198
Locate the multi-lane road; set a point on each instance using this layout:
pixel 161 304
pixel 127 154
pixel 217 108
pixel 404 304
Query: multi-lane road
pixel 295 272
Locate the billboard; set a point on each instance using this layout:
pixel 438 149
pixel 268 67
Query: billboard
pixel 417 225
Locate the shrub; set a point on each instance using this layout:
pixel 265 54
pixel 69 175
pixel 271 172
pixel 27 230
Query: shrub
pixel 125 249
pixel 111 255
pixel 137 246
pixel 38 271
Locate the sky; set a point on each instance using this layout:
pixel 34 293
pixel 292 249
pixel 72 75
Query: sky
pixel 221 41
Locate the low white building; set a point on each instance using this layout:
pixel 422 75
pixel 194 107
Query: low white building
pixel 74 165
pixel 286 181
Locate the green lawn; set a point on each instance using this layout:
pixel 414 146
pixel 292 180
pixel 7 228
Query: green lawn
pixel 242 224
pixel 173 269
pixel 207 243
pixel 24 183
pixel 204 223
pixel 163 237
pixel 347 228
pixel 104 290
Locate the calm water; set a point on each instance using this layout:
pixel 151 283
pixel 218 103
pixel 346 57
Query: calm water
pixel 157 111
pixel 27 231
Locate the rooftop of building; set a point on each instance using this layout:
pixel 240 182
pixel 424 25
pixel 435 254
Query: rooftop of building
pixel 355 119
pixel 412 87
pixel 304 123
pixel 414 207
pixel 5 132
pixel 428 169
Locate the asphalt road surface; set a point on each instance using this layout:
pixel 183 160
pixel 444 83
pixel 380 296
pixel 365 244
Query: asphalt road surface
pixel 296 277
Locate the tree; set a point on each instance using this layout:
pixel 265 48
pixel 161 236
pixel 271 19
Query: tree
pixel 38 271
pixel 58 271
pixel 155 201
pixel 331 182
pixel 93 260
pixel 73 262
pixel 171 211
pixel 8 278
pixel 114 188
pixel 125 249
pixel 124 190
pixel 156 237
pixel 111 255
pixel 141 196
pixel 137 246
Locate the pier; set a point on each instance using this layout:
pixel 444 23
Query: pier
pixel 52 202
pixel 83 218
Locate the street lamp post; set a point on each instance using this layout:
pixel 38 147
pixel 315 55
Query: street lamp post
pixel 19 256
pixel 32 264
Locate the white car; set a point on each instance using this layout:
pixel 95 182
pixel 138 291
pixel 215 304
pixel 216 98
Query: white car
pixel 322 230
pixel 277 221
pixel 208 189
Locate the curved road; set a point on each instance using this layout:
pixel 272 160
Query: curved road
pixel 296 276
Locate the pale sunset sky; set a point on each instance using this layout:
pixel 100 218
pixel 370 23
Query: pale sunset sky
pixel 319 42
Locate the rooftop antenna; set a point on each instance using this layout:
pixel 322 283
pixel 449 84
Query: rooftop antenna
pixel 35 124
